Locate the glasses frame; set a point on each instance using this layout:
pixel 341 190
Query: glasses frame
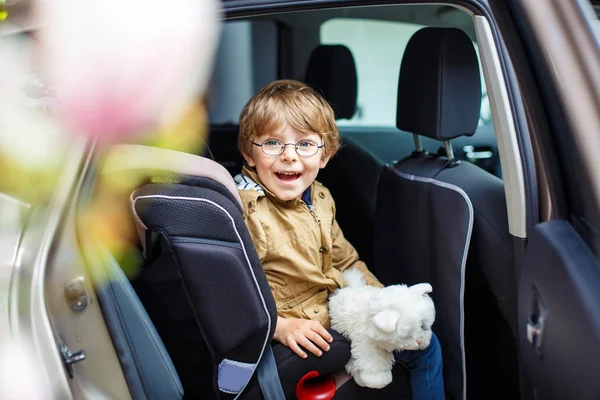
pixel 284 145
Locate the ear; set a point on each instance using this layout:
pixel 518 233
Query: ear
pixel 386 320
pixel 421 288
pixel 324 162
pixel 249 159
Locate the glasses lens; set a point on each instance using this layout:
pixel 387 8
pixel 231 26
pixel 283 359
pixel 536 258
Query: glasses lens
pixel 272 147
pixel 307 148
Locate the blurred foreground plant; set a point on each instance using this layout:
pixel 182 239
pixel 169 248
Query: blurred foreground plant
pixel 105 73
pixel 132 73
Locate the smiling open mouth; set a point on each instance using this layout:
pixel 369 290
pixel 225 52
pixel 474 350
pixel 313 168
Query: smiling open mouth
pixel 288 176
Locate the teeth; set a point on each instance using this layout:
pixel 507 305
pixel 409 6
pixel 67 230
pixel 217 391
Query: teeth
pixel 288 173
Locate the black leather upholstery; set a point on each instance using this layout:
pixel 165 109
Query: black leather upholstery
pixel 439 90
pixel 331 71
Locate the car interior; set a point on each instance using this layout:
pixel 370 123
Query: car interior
pixel 419 192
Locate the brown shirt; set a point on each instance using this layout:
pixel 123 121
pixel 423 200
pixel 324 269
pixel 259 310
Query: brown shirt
pixel 303 252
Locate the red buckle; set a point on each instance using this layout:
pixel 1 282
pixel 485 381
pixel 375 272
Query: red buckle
pixel 313 387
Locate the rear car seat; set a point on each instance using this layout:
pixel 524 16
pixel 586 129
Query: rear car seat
pixel 222 147
pixel 429 206
pixel 352 174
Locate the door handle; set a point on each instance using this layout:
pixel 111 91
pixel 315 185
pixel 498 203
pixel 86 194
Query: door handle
pixel 536 322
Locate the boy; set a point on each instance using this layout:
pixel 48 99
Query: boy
pixel 287 133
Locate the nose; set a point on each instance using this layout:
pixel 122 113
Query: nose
pixel 289 153
pixel 419 340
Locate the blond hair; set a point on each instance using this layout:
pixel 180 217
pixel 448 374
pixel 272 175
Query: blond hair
pixel 288 102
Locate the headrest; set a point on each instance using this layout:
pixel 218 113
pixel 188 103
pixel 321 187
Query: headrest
pixel 439 89
pixel 331 70
pixel 165 166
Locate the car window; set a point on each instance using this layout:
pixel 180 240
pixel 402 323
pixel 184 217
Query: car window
pixel 254 47
pixel 595 22
pixel 378 47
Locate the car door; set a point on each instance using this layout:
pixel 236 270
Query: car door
pixel 558 299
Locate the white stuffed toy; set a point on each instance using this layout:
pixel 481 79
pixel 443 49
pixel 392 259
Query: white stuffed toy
pixel 379 321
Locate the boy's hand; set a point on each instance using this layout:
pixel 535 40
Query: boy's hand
pixel 293 332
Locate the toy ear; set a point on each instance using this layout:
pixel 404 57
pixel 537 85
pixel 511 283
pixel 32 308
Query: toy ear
pixel 386 320
pixel 421 288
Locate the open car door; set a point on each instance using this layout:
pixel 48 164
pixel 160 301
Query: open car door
pixel 559 313
pixel 559 287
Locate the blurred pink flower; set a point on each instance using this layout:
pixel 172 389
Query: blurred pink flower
pixel 121 68
pixel 20 373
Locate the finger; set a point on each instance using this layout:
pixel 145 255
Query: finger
pixel 296 349
pixel 310 346
pixel 318 340
pixel 323 332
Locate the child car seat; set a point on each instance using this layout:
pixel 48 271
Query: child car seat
pixel 202 283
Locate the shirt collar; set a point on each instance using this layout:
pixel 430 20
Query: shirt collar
pixel 306 197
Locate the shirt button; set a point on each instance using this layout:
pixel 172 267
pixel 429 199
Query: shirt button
pixel 316 310
pixel 322 195
pixel 323 250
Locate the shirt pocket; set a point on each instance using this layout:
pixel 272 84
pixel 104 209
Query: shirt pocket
pixel 315 308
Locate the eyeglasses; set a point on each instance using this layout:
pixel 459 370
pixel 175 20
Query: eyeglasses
pixel 304 148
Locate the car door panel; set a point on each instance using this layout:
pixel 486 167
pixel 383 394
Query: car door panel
pixel 559 317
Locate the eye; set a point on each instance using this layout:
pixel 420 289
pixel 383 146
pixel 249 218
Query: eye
pixel 271 142
pixel 306 144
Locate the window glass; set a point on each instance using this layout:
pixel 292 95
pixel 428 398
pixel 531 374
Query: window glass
pixel 245 61
pixel 594 19
pixel 378 47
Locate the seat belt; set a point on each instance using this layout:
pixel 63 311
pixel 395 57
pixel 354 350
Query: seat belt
pixel 268 377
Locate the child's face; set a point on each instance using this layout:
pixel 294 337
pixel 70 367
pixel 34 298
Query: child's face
pixel 287 175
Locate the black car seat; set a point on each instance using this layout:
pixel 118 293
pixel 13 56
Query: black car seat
pixel 352 174
pixel 202 284
pixel 430 206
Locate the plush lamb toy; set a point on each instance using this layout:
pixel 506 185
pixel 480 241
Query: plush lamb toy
pixel 379 321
